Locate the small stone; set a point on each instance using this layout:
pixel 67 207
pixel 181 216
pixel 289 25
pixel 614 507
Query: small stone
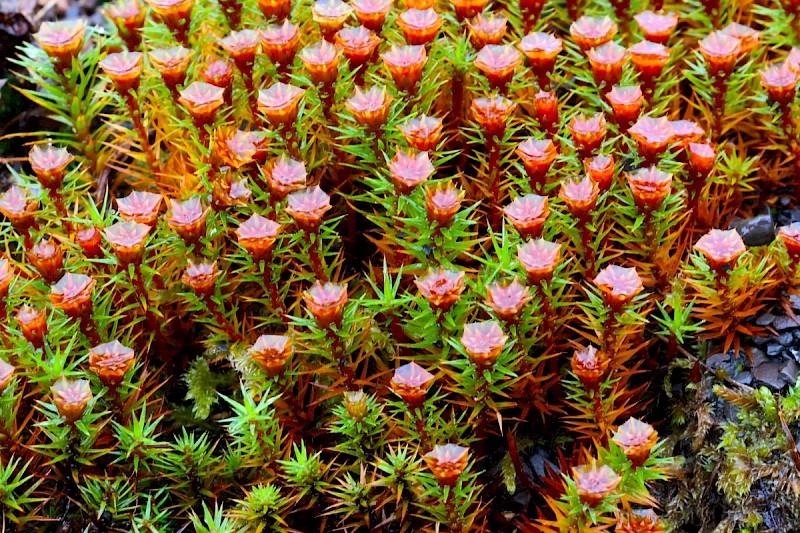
pixel 765 320
pixel 786 339
pixel 770 375
pixel 797 334
pixel 718 360
pixel 758 356
pixel 794 301
pixel 756 231
pixel 761 341
pixel 794 214
pixel 774 349
pixel 790 371
pixel 784 322
pixel 744 377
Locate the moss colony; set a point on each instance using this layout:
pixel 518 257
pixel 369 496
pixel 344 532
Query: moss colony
pixel 431 266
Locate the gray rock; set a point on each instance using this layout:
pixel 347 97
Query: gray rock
pixel 794 301
pixel 786 339
pixel 758 356
pixel 770 375
pixel 784 322
pixel 744 377
pixel 761 341
pixel 797 334
pixel 790 371
pixel 774 349
pixel 765 320
pixel 756 231
pixel 718 360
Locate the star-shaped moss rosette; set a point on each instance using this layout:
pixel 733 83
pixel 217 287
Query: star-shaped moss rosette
pixel 219 73
pixel 411 382
pixel 441 287
pixel 487 29
pixel 325 302
pixel 422 133
pixel 720 51
pixel 447 462
pixel 284 176
pixel 790 236
pixel 780 81
pixel 580 196
pixel 172 64
pixel 127 240
pixel 71 398
pixel 649 58
pixel 201 276
pixel 541 49
pixel 748 37
pixel 653 135
pixel 420 26
pixel 321 61
pixel 73 294
pixel 590 366
pixel 140 206
pixel 257 235
pixel 308 207
pixel 607 61
pixel 372 13
pixel 202 100
pixel 242 47
pixel 18 207
pixel 649 186
pixel 498 63
pixel 280 103
pixel 483 342
pixel 128 16
pixel 443 202
pixel 626 103
pixel 405 64
pixel 588 132
pixel 507 300
pixel 275 9
pixel 371 107
pixel 272 352
pixel 539 258
pixel 537 157
pixel 279 42
pixel 357 44
pixel 591 32
pixel 721 248
pixel 466 9
pixel 62 40
pixel 594 482
pixel 492 114
pixel 49 163
pixel 330 15
pixel 188 219
pixel 528 214
pixel 686 131
pixel 111 361
pixel 90 239
pixel 47 257
pixel 124 69
pixel 637 439
pixel 657 27
pixel 32 323
pixel 407 170
pixel 619 285
pixel 639 521
pixel 601 169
